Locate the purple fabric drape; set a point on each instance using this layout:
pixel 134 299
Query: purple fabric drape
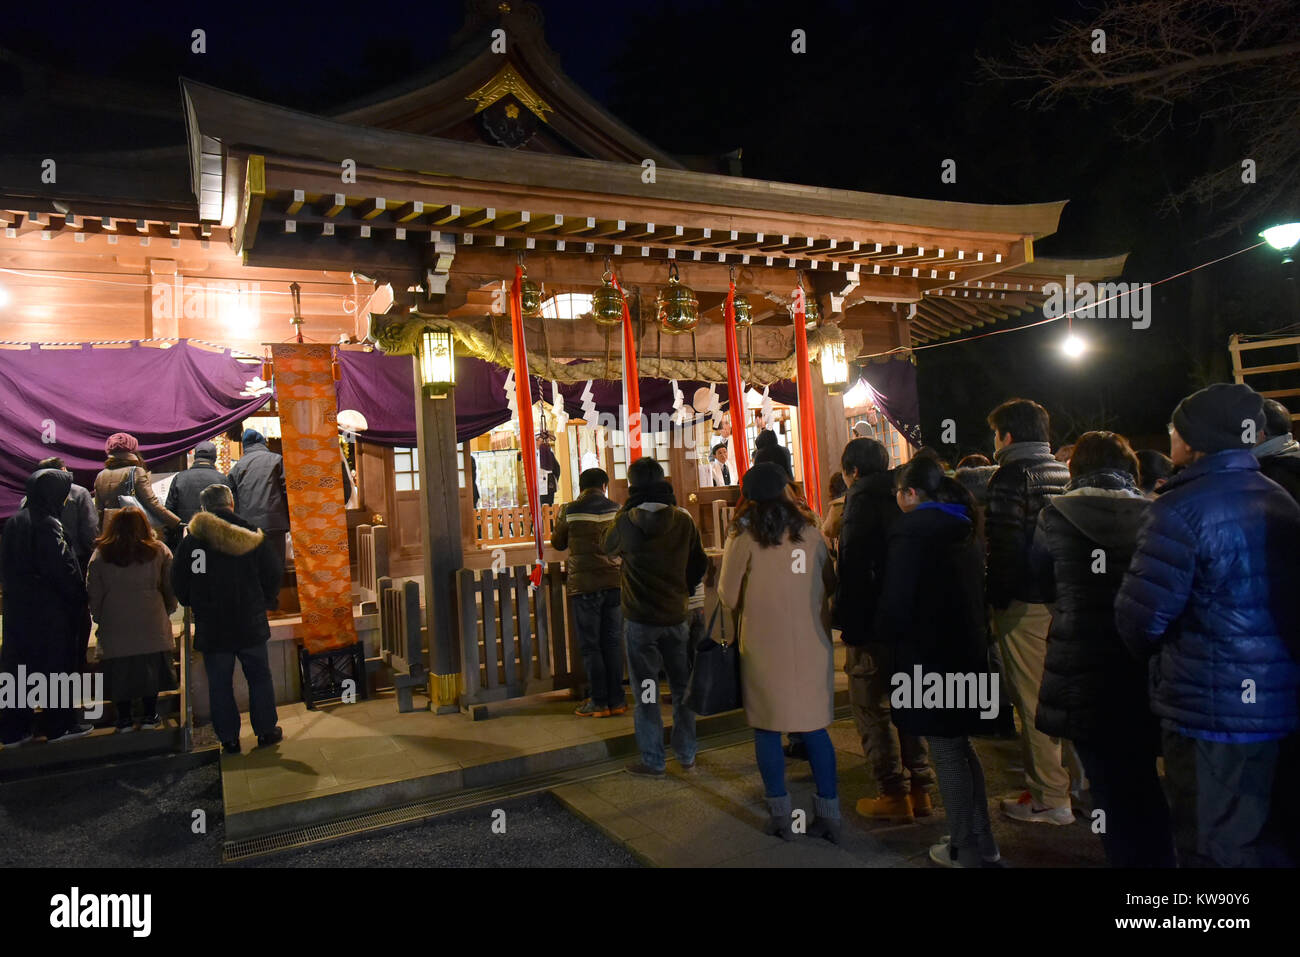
pixel 382 388
pixel 894 383
pixel 67 402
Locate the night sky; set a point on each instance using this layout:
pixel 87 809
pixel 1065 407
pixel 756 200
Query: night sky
pixel 885 93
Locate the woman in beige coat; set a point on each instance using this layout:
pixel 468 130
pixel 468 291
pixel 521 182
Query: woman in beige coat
pixel 124 472
pixel 777 573
pixel 131 599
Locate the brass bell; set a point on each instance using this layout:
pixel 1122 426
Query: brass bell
pixel 530 297
pixel 744 311
pixel 678 309
pixel 607 303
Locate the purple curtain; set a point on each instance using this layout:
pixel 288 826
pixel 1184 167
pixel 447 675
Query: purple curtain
pixel 382 388
pixel 67 402
pixel 894 383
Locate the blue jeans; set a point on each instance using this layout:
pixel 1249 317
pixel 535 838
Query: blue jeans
pixel 650 648
pixel 771 761
pixel 220 668
pixel 598 621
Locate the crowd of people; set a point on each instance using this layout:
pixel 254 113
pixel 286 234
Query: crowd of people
pixel 71 557
pixel 1136 609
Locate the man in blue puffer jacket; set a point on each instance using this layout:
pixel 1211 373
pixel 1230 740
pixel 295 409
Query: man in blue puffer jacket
pixel 1212 591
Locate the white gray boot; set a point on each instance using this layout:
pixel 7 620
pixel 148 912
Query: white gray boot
pixel 779 824
pixel 827 824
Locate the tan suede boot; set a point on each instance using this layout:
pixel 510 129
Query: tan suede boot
pixel 922 805
pixel 887 807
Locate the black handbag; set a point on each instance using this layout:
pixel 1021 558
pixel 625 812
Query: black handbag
pixel 715 678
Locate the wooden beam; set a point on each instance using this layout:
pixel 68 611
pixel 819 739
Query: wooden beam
pixel 250 212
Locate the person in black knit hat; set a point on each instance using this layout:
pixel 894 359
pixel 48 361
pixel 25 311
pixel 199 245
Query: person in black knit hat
pixel 1210 593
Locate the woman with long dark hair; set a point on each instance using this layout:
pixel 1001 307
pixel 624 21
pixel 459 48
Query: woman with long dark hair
pixel 931 615
pixel 777 573
pixel 131 599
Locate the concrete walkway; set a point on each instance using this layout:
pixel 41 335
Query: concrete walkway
pixel 713 816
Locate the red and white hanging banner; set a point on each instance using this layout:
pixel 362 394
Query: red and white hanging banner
pixel 524 403
pixel 812 483
pixel 631 381
pixel 735 388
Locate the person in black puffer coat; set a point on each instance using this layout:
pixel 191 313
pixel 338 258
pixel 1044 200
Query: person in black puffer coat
pixel 931 619
pixel 1094 691
pixel 183 493
pixel 1027 476
pixel 900 762
pixel 1212 592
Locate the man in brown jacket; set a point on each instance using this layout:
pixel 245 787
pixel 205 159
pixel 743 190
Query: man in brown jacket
pixel 663 562
pixel 592 580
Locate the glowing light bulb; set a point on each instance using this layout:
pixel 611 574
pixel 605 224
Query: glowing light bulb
pixel 1073 346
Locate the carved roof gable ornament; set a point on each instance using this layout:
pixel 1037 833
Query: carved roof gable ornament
pixel 509 82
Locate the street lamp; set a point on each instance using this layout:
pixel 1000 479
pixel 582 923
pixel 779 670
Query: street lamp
pixel 1073 346
pixel 1282 237
pixel 437 362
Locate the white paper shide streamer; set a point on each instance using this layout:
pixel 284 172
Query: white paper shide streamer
pixel 557 407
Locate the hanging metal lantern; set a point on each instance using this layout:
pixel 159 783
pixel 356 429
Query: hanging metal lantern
pixel 744 311
pixel 607 302
pixel 835 367
pixel 437 362
pixel 678 309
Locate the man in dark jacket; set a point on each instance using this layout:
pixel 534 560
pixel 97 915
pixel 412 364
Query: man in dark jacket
pixel 768 449
pixel 592 580
pixel 1027 476
pixel 228 575
pixel 899 762
pixel 1278 451
pixel 1094 692
pixel 80 518
pixel 663 562
pixel 45 607
pixel 183 495
pixel 1212 592
pixel 258 483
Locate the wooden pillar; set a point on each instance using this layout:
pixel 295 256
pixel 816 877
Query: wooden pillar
pixel 435 430
pixel 832 428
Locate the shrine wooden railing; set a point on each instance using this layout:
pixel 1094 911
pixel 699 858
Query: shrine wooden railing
pixel 722 516
pixel 372 559
pixel 401 640
pixel 510 526
pixel 514 643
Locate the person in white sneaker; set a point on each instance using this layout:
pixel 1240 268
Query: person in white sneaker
pixel 1027 476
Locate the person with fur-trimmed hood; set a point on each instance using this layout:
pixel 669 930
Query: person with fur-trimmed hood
pixel 227 573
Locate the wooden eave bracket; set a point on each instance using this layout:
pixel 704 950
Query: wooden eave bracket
pixel 244 234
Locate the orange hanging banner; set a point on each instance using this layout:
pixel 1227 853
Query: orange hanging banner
pixel 631 381
pixel 309 441
pixel 812 484
pixel 735 390
pixel 524 405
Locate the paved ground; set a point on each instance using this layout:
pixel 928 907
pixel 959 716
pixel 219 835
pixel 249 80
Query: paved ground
pixel 714 815
pixel 140 816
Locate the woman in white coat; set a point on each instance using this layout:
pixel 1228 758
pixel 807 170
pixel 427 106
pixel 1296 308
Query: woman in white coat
pixel 777 572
